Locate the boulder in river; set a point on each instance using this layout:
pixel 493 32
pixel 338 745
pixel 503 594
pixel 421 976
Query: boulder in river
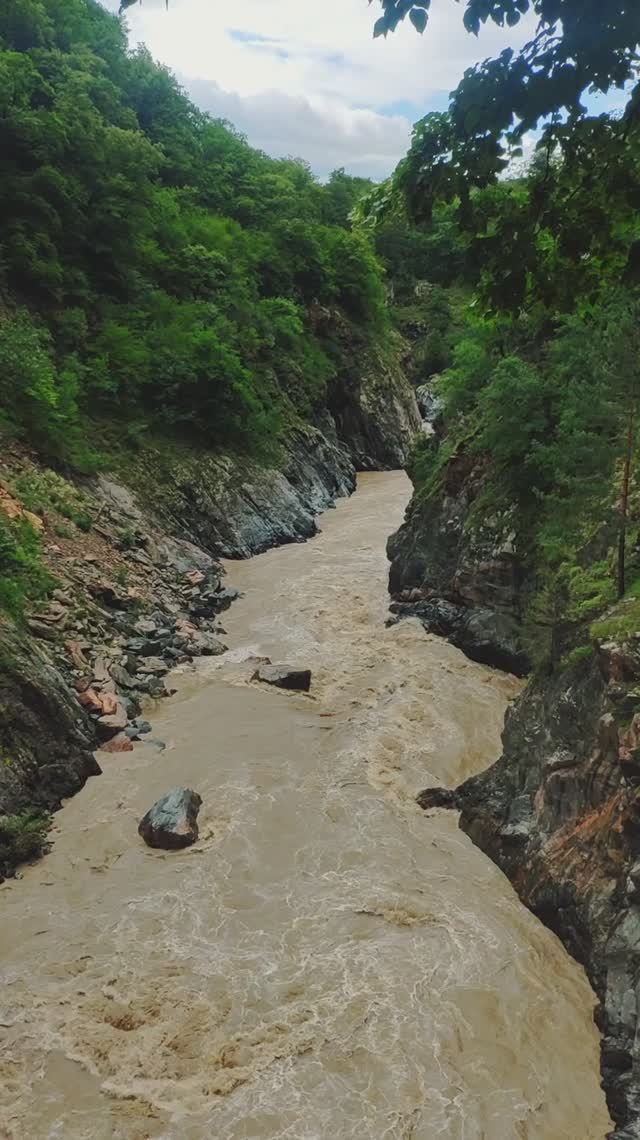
pixel 284 677
pixel 438 798
pixel 172 822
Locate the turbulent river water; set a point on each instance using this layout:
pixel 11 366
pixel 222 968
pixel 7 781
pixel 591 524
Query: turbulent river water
pixel 328 962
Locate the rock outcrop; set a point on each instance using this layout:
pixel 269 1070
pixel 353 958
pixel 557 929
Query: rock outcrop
pixel 139 583
pixel 560 814
pixel 45 736
pixel 462 579
pixel 375 412
pixel 233 507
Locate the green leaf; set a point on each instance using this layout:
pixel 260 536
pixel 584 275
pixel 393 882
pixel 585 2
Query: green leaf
pixel 419 19
pixel 380 27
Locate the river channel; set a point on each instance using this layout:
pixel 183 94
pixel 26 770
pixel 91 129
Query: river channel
pixel 328 962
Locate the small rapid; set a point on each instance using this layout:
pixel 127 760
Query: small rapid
pixel 327 962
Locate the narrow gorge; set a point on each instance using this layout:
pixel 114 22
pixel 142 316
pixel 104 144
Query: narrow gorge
pixel 319 570
pixel 325 959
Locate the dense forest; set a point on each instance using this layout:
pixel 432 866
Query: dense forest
pixel 539 388
pixel 152 262
pixel 155 270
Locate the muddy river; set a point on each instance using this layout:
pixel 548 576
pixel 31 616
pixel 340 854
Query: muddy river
pixel 328 962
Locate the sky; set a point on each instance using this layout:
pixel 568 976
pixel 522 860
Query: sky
pixel 306 78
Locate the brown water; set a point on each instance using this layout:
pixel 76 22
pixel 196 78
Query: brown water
pixel 328 963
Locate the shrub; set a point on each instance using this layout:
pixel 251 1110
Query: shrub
pixel 23 837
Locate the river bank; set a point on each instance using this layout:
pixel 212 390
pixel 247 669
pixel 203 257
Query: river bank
pixel 325 961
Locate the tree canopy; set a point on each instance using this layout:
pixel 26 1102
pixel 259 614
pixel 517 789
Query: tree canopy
pixel 150 259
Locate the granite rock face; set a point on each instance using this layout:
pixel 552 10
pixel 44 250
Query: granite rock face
pixel 463 580
pixel 560 814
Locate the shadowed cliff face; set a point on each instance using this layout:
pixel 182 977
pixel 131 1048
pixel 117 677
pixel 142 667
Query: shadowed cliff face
pixel 45 738
pixel 461 579
pixel 560 814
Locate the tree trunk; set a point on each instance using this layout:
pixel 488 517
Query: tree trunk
pixel 624 505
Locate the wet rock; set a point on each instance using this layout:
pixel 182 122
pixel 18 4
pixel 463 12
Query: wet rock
pixel 438 798
pixel 118 743
pixel 208 604
pixel 152 685
pixel 225 598
pixel 492 637
pixel 142 725
pixel 172 822
pixel 172 654
pixel 208 645
pixel 284 677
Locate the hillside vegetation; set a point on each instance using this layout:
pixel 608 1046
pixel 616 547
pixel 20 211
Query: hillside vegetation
pixel 150 259
pixel 540 387
pixel 156 272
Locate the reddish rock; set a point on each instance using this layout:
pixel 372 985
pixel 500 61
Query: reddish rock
pixel 74 650
pixel 109 703
pixel 118 743
pixel 90 700
pixel 112 723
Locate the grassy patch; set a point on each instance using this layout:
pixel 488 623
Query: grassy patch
pixel 44 491
pixel 23 577
pixel 623 620
pixel 575 656
pixel 23 837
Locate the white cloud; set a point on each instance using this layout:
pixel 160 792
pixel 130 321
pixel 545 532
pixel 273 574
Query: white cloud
pixel 327 133
pixel 305 76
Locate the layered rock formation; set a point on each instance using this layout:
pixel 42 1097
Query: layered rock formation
pixel 560 814
pixel 139 588
pixel 461 578
pixel 45 736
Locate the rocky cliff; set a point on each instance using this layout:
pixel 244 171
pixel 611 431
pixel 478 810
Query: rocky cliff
pixel 460 576
pixel 45 738
pixel 560 814
pixel 375 412
pixel 133 557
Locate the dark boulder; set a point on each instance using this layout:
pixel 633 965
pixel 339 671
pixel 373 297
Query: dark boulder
pixel 284 677
pixel 172 822
pixel 438 798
